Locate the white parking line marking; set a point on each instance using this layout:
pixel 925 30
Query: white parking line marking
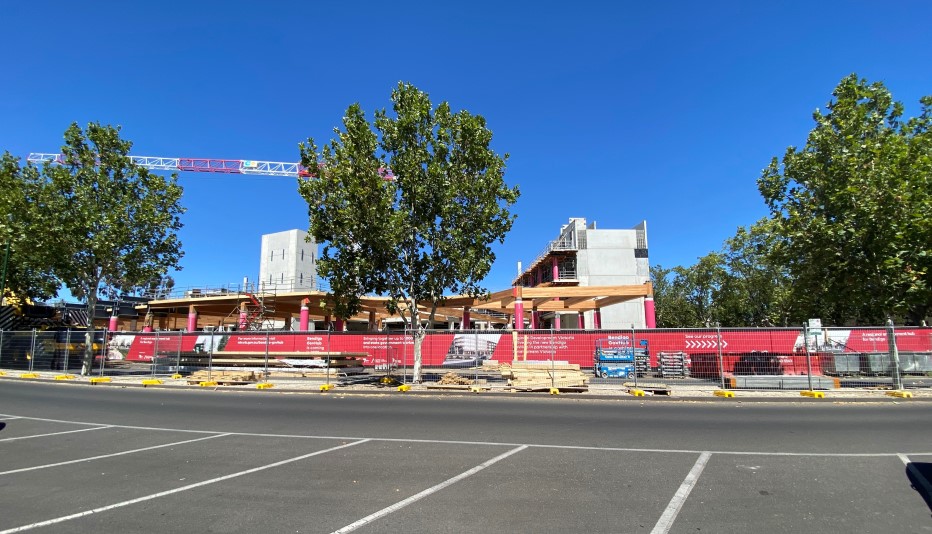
pixel 923 481
pixel 669 515
pixel 176 490
pixel 10 418
pixel 56 433
pixel 109 455
pixel 416 497
pixel 499 443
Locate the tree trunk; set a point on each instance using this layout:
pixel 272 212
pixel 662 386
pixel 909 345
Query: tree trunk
pixel 87 364
pixel 418 333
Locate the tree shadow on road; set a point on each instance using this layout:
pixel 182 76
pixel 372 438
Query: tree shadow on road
pixel 919 475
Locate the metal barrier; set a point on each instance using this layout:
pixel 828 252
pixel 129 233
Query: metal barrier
pixel 655 360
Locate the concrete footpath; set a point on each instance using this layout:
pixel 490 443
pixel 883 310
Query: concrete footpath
pixel 626 390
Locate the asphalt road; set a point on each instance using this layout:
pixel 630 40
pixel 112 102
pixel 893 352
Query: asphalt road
pixel 81 458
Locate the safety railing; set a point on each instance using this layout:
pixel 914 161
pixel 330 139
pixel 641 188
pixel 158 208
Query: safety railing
pixel 660 360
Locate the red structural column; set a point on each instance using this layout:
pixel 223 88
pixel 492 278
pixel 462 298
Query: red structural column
pixel 650 319
pixel 243 316
pixel 581 321
pixel 465 325
pixel 519 315
pixel 556 321
pixel 112 326
pixel 597 319
pixel 192 318
pixel 338 325
pixel 373 324
pixel 535 319
pixel 305 318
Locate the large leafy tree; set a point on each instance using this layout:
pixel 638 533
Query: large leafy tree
pixel 23 270
pixel 851 209
pixel 755 290
pixel 407 207
pixel 110 227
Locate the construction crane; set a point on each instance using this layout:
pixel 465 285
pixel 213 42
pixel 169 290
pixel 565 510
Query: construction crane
pixel 224 166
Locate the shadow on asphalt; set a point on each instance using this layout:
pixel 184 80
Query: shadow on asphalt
pixel 2 426
pixel 919 475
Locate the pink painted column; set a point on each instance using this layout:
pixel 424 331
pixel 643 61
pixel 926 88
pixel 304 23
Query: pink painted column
pixel 535 319
pixel 465 325
pixel 192 319
pixel 304 318
pixel 338 325
pixel 519 315
pixel 112 326
pixel 597 319
pixel 556 269
pixel 581 321
pixel 147 328
pixel 243 317
pixel 556 321
pixel 650 319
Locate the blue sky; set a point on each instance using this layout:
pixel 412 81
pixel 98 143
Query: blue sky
pixel 616 112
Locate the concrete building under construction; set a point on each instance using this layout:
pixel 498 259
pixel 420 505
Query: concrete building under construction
pixel 585 256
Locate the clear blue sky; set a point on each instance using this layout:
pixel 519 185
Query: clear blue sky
pixel 617 112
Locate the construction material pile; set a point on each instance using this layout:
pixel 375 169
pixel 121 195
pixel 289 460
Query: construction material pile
pixel 223 378
pixel 453 379
pixel 544 375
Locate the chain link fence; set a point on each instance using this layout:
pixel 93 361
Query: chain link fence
pixel 659 360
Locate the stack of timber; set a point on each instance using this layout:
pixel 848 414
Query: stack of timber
pixel 223 378
pixel 452 380
pixel 544 375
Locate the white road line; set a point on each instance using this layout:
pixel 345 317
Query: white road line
pixel 496 444
pixel 416 497
pixel 176 490
pixel 669 515
pixel 56 433
pixel 10 418
pixel 926 487
pixel 109 455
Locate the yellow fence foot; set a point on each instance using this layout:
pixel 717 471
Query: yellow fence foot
pixel 554 391
pixel 404 387
pixel 326 387
pixel 176 376
pixel 723 393
pixel 264 385
pixel 100 380
pixel 208 384
pixel 152 382
pixel 64 377
pixel 29 375
pixel 636 392
pixel 813 394
pixel 901 394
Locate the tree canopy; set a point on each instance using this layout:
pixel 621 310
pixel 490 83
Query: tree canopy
pixel 407 206
pixel 851 209
pixel 25 273
pixel 107 227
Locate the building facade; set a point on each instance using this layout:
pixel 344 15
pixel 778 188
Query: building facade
pixel 584 255
pixel 288 262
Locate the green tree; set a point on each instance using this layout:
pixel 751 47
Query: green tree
pixel 110 226
pixel 423 231
pixel 671 299
pixel 24 273
pixel 851 209
pixel 755 289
